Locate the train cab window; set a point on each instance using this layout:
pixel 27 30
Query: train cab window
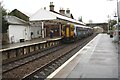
pixel 72 29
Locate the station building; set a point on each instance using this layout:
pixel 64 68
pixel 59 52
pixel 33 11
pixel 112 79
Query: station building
pixel 52 20
pixel 23 27
pixel 18 29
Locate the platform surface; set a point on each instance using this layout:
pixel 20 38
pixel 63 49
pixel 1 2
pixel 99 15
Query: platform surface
pixel 98 59
pixel 27 43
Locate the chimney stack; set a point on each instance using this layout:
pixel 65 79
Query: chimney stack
pixel 67 11
pixel 51 6
pixel 68 14
pixel 62 11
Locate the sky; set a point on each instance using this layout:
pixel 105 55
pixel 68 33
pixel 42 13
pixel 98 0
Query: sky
pixel 95 10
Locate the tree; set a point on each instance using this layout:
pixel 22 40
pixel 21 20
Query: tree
pixel 4 22
pixel 3 11
pixel 111 24
pixel 4 25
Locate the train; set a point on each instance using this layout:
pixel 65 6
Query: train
pixel 72 32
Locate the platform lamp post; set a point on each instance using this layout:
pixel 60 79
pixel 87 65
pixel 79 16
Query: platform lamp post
pixel 108 24
pixel 117 19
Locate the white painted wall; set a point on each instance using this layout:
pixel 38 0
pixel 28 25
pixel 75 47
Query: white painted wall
pixel 17 32
pixel 27 33
pixel 36 31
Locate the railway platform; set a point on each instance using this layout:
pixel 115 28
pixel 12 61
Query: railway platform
pixel 98 59
pixel 11 52
pixel 30 42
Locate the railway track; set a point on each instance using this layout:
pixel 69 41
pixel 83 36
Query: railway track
pixel 41 67
pixel 15 64
pixel 49 67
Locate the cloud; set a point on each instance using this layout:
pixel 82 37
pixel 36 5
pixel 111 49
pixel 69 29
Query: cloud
pixel 96 10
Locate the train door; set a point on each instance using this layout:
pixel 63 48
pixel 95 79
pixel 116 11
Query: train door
pixel 72 31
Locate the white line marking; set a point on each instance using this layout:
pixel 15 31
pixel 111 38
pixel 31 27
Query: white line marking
pixel 62 66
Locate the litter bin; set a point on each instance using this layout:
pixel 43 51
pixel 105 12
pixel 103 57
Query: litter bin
pixel 111 34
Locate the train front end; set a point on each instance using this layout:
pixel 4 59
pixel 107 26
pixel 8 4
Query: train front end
pixel 68 33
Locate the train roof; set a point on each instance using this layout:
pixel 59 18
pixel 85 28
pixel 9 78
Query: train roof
pixel 83 26
pixel 89 27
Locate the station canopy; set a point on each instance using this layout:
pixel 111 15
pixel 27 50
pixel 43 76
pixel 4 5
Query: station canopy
pixel 44 15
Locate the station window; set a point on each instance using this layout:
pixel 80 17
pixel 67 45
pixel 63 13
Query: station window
pixel 37 32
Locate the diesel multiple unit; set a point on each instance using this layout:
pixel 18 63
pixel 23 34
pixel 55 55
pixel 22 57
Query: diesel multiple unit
pixel 71 32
